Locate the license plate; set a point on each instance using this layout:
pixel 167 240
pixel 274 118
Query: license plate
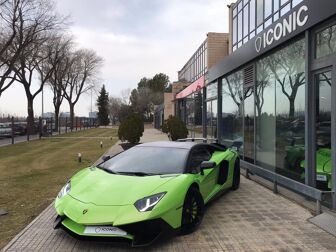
pixel 321 178
pixel 104 230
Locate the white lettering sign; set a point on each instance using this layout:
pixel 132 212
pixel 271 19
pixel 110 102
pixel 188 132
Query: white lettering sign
pixel 287 26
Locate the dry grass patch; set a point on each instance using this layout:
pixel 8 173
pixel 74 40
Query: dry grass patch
pixel 31 174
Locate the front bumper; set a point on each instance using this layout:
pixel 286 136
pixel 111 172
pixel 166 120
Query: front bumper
pixel 137 234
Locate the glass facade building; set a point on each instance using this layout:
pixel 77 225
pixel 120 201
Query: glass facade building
pixel 275 97
pixel 194 112
pixel 251 17
pixel 196 66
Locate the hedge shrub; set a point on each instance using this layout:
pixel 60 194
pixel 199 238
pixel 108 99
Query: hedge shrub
pixel 175 128
pixel 131 129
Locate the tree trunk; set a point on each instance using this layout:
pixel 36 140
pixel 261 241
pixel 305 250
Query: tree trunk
pixel 291 107
pixel 72 114
pixel 57 109
pixel 30 120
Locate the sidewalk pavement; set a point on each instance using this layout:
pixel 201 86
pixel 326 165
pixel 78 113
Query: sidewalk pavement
pixel 252 218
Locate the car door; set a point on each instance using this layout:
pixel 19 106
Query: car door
pixel 209 180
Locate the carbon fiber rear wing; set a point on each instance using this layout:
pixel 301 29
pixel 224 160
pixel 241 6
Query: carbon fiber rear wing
pixel 204 140
pixel 211 141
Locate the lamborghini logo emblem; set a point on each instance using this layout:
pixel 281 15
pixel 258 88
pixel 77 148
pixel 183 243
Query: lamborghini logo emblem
pixel 85 211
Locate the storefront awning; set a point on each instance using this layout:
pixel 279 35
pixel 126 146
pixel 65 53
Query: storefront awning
pixel 196 86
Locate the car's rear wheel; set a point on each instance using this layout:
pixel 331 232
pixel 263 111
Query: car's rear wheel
pixel 193 211
pixel 236 176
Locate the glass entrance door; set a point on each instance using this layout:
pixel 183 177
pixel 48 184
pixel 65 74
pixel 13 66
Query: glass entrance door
pixel 323 83
pixel 212 119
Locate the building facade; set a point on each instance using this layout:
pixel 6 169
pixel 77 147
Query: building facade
pixel 189 102
pixel 274 97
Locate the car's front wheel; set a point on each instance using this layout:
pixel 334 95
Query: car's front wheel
pixel 193 211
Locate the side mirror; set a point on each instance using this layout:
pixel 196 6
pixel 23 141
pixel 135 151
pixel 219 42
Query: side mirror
pixel 105 158
pixel 207 165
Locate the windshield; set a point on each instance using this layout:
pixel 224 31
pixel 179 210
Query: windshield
pixel 148 161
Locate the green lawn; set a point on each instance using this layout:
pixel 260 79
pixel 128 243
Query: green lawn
pixel 31 174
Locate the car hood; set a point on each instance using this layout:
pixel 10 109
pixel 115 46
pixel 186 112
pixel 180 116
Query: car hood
pixel 93 185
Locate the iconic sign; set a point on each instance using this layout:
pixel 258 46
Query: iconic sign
pixel 287 26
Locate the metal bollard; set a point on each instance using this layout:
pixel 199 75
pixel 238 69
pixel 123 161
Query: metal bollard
pixel 79 157
pixel 12 130
pixel 275 187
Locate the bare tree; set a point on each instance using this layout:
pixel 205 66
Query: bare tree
pixel 9 19
pixel 83 68
pixel 30 48
pixel 59 62
pixel 287 66
pixel 125 95
pixel 262 83
pixel 115 105
pixel 235 87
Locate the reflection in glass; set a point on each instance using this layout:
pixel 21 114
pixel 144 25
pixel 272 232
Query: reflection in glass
pixel 265 117
pixel 296 2
pixel 276 17
pixel 194 114
pixel 280 106
pixel 276 5
pixel 212 119
pixel 268 22
pixel 240 4
pixel 323 131
pixel 190 114
pixel 252 15
pixel 326 42
pixel 268 8
pixel 249 124
pixel 246 21
pixel 283 1
pixel 240 26
pixel 232 110
pixel 211 90
pixel 182 110
pixel 290 110
pixel 198 129
pixel 285 10
pixel 260 12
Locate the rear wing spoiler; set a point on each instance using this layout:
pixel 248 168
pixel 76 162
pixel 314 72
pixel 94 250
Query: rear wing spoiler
pixel 204 140
pixel 212 141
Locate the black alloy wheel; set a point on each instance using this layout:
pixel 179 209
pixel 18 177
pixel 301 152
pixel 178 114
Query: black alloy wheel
pixel 193 211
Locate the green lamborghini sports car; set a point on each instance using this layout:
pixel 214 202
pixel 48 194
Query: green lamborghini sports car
pixel 146 191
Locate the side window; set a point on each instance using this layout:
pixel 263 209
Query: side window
pixel 197 157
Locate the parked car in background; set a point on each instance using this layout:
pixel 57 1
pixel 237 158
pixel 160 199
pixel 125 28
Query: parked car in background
pixel 5 130
pixel 20 129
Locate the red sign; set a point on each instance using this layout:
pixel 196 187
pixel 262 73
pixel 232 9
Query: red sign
pixel 192 88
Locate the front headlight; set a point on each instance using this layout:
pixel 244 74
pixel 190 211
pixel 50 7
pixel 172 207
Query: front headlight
pixel 148 203
pixel 65 190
